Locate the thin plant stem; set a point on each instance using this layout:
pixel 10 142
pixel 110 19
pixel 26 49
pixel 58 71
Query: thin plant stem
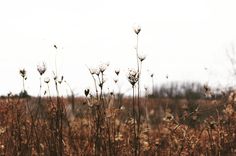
pixel 134 127
pixel 139 72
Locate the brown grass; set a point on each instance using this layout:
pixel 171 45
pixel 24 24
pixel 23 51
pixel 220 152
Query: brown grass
pixel 31 129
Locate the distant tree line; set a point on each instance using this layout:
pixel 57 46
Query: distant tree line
pixel 189 90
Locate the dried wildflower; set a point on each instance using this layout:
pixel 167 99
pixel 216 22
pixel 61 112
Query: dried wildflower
pixel 9 94
pixel 86 92
pixel 206 88
pixel 152 75
pixel 122 108
pixel 212 125
pixel 168 117
pixel 2 147
pixel 130 121
pixel 207 91
pixel 103 67
pixel 119 137
pixel 141 57
pixel 2 130
pixel 117 71
pixel 137 29
pixel 61 80
pixel 102 82
pixel 115 80
pixel 94 71
pixel 41 68
pixel 229 110
pixel 23 73
pixel 97 72
pixel 152 112
pixel 133 76
pixel 146 145
pixel 46 79
pixel 157 142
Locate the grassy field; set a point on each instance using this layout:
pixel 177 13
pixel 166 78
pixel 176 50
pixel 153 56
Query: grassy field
pixel 108 123
pixel 55 126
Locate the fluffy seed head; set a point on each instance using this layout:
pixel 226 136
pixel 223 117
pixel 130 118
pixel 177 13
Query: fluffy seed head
pixel 103 67
pixel 46 79
pixel 93 71
pixel 41 68
pixel 133 76
pixel 141 57
pixel 61 80
pixel 115 80
pixel 137 29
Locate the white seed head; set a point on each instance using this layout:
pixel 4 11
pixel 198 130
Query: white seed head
pixel 137 29
pixel 168 117
pixel 207 91
pixel 142 57
pixel 61 80
pixel 115 80
pixel 93 70
pixel 103 67
pixel 133 76
pixel 122 107
pixel 41 68
pixel 46 79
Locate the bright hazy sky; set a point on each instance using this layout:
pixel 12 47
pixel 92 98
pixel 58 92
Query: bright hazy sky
pixel 180 38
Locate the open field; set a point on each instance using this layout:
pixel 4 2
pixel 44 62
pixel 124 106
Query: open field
pixel 183 120
pixel 71 126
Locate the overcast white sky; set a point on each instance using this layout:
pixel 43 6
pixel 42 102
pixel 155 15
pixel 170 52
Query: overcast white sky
pixel 180 38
